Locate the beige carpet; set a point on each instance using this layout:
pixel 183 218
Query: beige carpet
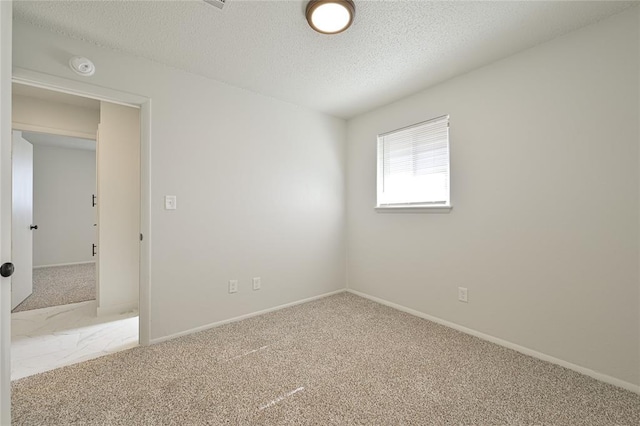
pixel 342 360
pixel 61 285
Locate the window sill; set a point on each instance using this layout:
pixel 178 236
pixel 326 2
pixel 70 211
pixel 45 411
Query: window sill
pixel 413 209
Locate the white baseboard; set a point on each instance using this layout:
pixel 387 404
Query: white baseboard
pixel 63 264
pixel 535 354
pixel 121 308
pixel 243 317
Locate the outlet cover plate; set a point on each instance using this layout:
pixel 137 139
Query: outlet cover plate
pixel 257 283
pixel 463 294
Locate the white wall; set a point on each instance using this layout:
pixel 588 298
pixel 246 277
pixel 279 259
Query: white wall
pixel 63 181
pixel 260 187
pixel 39 115
pixel 544 226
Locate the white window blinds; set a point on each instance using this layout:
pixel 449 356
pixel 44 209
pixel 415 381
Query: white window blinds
pixel 413 165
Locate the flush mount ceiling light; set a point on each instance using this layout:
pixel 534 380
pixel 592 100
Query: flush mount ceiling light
pixel 330 16
pixel 82 66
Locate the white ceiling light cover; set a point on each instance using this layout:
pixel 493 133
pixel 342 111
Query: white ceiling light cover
pixel 330 16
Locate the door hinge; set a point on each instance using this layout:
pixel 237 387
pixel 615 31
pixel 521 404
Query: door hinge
pixel 141 237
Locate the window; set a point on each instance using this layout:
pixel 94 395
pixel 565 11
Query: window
pixel 413 166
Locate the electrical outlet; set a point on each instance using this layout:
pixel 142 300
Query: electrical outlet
pixel 233 286
pixel 256 283
pixel 462 294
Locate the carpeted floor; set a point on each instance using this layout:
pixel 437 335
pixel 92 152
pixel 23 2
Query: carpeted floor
pixel 61 285
pixel 341 360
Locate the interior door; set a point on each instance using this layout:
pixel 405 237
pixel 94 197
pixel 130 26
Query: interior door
pixel 22 219
pixel 118 156
pixel 6 10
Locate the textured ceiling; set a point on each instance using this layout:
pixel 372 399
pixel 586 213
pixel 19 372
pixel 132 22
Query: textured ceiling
pixel 393 49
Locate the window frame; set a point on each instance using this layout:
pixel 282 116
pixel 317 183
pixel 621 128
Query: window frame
pixel 416 207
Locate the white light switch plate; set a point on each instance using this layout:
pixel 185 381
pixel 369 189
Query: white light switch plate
pixel 170 202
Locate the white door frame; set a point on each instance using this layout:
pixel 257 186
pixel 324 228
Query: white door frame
pixel 6 14
pixel 59 84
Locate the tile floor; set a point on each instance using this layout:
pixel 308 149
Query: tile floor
pixel 49 338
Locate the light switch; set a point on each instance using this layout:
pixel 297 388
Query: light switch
pixel 170 202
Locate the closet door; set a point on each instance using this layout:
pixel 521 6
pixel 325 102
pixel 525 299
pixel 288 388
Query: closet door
pixel 22 227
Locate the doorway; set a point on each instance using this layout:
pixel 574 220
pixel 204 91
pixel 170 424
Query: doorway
pixel 54 220
pixel 83 215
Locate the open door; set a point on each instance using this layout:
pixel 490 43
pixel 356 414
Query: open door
pixel 118 167
pixel 6 8
pixel 22 218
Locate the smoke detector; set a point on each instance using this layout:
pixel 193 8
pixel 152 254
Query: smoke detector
pixel 217 3
pixel 82 66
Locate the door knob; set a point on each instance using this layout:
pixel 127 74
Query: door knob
pixel 6 270
pixel 32 227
